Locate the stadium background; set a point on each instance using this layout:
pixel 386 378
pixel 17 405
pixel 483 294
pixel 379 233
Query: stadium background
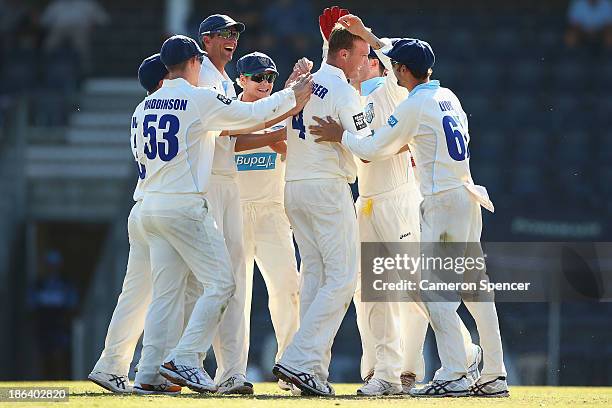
pixel 540 120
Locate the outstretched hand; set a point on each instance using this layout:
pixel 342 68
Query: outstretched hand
pixel 329 18
pixel 328 129
pixel 353 24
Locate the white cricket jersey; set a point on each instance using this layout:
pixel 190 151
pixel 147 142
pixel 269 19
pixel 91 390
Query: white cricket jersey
pixel 432 122
pixel 138 191
pixel 179 125
pixel 261 175
pixel 210 77
pixel 380 96
pixel 331 96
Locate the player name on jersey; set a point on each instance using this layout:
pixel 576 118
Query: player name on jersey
pixel 170 104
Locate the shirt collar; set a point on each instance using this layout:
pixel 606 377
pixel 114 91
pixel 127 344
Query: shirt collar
pixel 330 69
pixel 207 64
pixel 372 84
pixel 174 83
pixel 434 84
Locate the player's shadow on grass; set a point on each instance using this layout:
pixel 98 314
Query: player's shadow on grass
pixel 232 397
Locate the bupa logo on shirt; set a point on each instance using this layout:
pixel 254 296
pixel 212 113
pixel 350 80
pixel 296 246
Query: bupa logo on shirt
pixel 392 121
pixel 255 161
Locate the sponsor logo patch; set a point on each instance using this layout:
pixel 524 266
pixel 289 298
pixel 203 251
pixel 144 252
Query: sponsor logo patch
pixel 392 121
pixel 255 161
pixel 359 121
pixel 224 99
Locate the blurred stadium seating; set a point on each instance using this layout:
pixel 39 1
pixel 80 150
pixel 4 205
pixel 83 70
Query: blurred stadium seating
pixel 541 141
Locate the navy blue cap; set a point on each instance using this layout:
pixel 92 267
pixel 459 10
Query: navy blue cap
pixel 255 63
pixel 218 22
pixel 179 48
pixel 151 71
pixel 415 54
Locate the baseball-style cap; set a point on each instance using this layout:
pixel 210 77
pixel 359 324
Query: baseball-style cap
pixel 179 48
pixel 415 54
pixel 255 63
pixel 151 71
pixel 218 22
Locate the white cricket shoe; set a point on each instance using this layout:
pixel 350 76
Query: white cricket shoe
pixel 236 384
pixel 473 370
pixel 309 384
pixel 166 388
pixel 494 388
pixel 118 384
pixel 196 378
pixel 408 380
pixel 442 388
pixel 376 387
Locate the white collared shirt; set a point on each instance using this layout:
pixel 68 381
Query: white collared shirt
pixel 332 96
pixel 435 127
pixel 261 173
pixel 210 77
pixel 177 127
pixel 380 97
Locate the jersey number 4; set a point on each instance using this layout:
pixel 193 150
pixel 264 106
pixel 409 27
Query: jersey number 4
pixel 297 123
pixel 456 141
pixel 167 148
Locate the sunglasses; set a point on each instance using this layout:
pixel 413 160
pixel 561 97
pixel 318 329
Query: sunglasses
pixel 227 34
pixel 200 58
pixel 270 77
pixel 394 63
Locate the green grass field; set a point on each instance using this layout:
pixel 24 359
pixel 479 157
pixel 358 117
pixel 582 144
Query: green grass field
pixel 85 394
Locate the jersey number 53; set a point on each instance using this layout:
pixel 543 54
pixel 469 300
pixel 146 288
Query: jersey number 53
pixel 167 148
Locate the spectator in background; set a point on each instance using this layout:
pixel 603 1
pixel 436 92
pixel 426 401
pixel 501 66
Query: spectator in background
pixel 73 21
pixel 590 24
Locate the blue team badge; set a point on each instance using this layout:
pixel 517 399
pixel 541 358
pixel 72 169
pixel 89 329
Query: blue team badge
pixel 255 161
pixel 392 121
pixel 369 112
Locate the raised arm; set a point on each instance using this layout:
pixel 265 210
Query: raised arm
pixel 356 26
pixel 400 129
pixel 226 114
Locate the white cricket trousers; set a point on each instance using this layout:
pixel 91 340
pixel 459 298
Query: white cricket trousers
pixel 268 240
pixel 392 333
pixel 231 342
pixel 324 223
pixel 455 216
pixel 182 237
pixel 128 318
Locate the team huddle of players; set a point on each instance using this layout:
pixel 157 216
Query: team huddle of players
pixel 226 180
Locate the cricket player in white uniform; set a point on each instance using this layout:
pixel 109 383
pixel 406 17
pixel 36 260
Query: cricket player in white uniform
pixel 127 322
pixel 175 138
pixel 219 34
pixel 432 122
pixel 319 204
pixel 267 233
pixel 392 333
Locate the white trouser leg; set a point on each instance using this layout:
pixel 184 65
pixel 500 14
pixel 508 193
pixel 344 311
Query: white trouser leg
pixel 231 343
pixel 485 314
pixel 164 319
pixel 322 212
pixel 185 224
pixel 451 217
pixel 275 256
pixel 127 322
